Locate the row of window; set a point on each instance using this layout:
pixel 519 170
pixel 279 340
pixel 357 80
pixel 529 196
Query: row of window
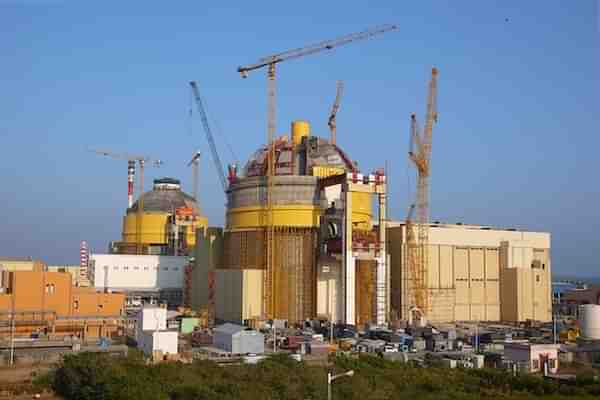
pixel 126 268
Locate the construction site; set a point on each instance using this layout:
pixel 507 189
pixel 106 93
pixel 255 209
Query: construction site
pixel 307 235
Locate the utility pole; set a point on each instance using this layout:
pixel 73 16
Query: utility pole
pixel 12 338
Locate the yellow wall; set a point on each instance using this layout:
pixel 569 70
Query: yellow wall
pixel 297 215
pixel 526 295
pixel 238 295
pixel 154 228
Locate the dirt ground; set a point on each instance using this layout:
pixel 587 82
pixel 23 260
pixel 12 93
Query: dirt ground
pixel 22 374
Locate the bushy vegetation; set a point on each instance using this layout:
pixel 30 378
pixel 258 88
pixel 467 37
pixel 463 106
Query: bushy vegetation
pixel 98 376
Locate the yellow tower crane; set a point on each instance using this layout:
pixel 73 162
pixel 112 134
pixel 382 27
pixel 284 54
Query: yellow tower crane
pixel 334 109
pixel 420 154
pixel 141 160
pixel 270 62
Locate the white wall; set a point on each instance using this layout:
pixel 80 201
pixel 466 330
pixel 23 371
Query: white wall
pixel 137 271
pixel 165 341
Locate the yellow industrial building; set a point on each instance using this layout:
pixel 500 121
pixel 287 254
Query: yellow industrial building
pixel 167 223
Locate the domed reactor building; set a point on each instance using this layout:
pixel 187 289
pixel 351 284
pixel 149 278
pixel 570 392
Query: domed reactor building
pixel 167 223
pixel 328 251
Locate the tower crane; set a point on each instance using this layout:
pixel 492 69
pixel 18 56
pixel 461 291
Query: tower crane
pixel 194 164
pixel 270 62
pixel 209 136
pixel 334 110
pixel 131 160
pixel 414 292
pixel 420 154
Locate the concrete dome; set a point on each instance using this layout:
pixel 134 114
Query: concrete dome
pixel 315 151
pixel 165 197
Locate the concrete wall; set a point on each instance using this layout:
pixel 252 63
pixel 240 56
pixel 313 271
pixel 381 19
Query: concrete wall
pixel 238 295
pixel 208 256
pixel 137 271
pixel 329 290
pixel 165 341
pixel 466 274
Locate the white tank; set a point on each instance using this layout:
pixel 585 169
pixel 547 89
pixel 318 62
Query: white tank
pixel 589 321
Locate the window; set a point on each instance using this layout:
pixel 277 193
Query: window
pixel 166 268
pixel 156 268
pixel 537 278
pixel 115 268
pixel 145 268
pixel 552 363
pixel 136 268
pixel 536 364
pixel 125 268
pixel 50 288
pixel 76 305
pixel 175 269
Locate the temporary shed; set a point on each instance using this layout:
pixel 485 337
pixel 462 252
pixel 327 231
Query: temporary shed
pixel 238 339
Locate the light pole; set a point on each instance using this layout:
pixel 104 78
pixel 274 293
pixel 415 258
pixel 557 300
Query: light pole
pixel 331 378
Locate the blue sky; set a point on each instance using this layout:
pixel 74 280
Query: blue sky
pixel 515 145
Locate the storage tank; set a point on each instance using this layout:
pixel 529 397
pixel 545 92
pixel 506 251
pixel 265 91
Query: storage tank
pixel 589 321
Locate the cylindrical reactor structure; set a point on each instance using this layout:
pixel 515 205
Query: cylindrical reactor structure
pixel 589 319
pixel 295 209
pixel 297 204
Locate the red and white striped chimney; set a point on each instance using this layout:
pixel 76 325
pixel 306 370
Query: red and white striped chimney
pixel 130 173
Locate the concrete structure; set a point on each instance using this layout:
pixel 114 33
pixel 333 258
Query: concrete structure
pixel 168 224
pixel 151 334
pixel 239 295
pixel 151 318
pixel 165 342
pixel 532 358
pixel 199 284
pixel 160 277
pixel 78 278
pixel 335 258
pixel 589 321
pixel 48 302
pixel 238 339
pixel 301 191
pixel 12 264
pixel 477 273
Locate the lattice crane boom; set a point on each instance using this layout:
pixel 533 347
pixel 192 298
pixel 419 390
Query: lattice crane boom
pixel 420 155
pixel 209 136
pixel 315 48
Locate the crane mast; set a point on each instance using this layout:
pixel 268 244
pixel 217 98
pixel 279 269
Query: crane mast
pixel 194 164
pixel 420 155
pixel 131 160
pixel 334 109
pixel 270 61
pixel 209 136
